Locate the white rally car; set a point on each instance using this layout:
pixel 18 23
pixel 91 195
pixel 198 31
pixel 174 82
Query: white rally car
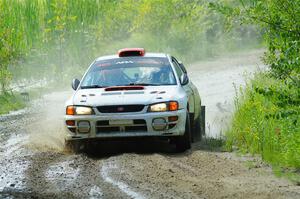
pixel 135 94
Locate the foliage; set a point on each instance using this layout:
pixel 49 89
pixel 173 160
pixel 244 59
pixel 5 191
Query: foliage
pixel 10 102
pixel 59 38
pixel 267 121
pixel 267 114
pixel 280 20
pixel 6 53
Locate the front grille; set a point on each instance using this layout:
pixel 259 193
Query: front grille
pixel 121 108
pixel 138 125
pixel 135 128
pixel 108 129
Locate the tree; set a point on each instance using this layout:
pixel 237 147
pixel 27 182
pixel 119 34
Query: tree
pixel 280 21
pixel 6 54
pixel 56 31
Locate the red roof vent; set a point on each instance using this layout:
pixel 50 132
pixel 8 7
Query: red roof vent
pixel 127 52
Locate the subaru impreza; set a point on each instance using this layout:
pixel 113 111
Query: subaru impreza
pixel 135 94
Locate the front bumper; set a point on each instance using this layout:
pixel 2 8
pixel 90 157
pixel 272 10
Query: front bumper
pixel 115 121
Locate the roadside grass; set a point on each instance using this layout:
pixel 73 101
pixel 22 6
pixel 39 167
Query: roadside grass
pixel 10 102
pixel 13 101
pixel 212 143
pixel 290 173
pixel 266 122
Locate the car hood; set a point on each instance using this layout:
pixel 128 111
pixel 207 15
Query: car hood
pixel 149 95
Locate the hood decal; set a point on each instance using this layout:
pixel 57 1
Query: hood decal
pixel 134 92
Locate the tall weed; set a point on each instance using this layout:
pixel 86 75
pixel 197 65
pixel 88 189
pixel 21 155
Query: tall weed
pixel 267 121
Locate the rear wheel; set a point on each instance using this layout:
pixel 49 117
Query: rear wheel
pixel 184 142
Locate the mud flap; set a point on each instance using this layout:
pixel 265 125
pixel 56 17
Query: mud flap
pixel 202 123
pixel 193 127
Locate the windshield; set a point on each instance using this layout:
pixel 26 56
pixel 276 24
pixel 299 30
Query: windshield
pixel 147 71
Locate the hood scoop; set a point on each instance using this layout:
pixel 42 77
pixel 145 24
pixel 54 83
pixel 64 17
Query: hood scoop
pixel 124 88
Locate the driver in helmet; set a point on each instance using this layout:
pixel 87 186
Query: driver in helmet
pixel 112 77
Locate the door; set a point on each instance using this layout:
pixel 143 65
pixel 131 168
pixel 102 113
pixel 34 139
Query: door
pixel 188 87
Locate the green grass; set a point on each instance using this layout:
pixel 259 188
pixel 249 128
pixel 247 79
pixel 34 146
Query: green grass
pixel 212 144
pixel 266 122
pixel 14 101
pixel 10 102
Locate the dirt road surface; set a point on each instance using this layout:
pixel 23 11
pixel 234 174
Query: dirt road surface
pixel 33 163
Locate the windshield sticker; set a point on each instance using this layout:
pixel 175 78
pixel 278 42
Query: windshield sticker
pixel 124 62
pixel 150 61
pixel 103 64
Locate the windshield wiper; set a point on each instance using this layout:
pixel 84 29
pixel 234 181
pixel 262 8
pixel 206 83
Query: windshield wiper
pixel 92 86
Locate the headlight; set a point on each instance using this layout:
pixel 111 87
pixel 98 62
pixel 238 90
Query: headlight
pixel 79 110
pixel 162 107
pixel 158 107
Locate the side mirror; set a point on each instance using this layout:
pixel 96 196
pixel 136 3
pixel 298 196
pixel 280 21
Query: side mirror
pixel 184 79
pixel 75 84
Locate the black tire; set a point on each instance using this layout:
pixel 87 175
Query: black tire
pixel 73 146
pixel 184 142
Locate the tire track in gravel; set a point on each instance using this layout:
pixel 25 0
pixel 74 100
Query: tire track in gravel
pixel 111 167
pixel 199 174
pixel 37 184
pixel 151 176
pixel 55 175
pixel 90 181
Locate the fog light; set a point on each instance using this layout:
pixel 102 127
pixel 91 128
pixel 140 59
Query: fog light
pixel 83 126
pixel 159 124
pixel 173 118
pixel 70 122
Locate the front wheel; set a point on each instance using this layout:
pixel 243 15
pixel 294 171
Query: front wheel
pixel 73 146
pixel 184 142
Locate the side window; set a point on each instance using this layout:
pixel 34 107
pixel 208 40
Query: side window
pixel 177 67
pixel 182 68
pixel 180 65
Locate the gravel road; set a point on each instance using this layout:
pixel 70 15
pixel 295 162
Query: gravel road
pixel 34 164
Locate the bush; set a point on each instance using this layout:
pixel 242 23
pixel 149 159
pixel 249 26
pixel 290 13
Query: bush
pixel 10 102
pixel 279 20
pixel 266 121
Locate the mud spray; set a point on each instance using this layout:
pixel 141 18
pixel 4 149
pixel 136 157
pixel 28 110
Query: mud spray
pixel 47 131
